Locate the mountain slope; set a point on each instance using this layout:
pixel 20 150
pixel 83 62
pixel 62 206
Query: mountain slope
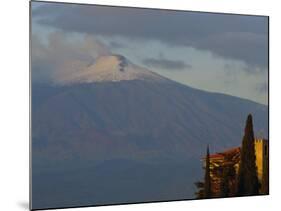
pixel 137 116
pixel 108 68
pixel 118 133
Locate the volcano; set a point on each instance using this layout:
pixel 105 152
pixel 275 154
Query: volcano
pixel 114 132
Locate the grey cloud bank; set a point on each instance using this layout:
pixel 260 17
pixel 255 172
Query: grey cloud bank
pixel 167 64
pixel 235 37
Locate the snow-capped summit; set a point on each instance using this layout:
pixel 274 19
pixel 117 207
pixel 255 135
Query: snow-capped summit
pixel 111 68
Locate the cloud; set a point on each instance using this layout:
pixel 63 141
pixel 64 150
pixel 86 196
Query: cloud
pixel 63 55
pixel 262 87
pixel 172 65
pixel 117 45
pixel 239 45
pixel 235 37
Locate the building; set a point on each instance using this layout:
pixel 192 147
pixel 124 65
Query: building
pixel 224 167
pixel 262 163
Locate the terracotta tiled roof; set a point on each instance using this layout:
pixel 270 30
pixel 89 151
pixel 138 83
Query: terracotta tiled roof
pixel 231 151
pixel 219 155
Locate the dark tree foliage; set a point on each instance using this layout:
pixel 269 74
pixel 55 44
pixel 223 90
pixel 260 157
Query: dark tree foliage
pixel 224 189
pixel 265 177
pixel 247 178
pixel 200 193
pixel 265 183
pixel 207 178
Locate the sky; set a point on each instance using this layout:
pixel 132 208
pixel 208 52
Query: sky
pixel 213 52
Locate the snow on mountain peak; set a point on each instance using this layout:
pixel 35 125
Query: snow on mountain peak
pixel 110 68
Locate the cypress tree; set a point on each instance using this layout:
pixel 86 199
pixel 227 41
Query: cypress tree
pixel 247 178
pixel 207 182
pixel 224 186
